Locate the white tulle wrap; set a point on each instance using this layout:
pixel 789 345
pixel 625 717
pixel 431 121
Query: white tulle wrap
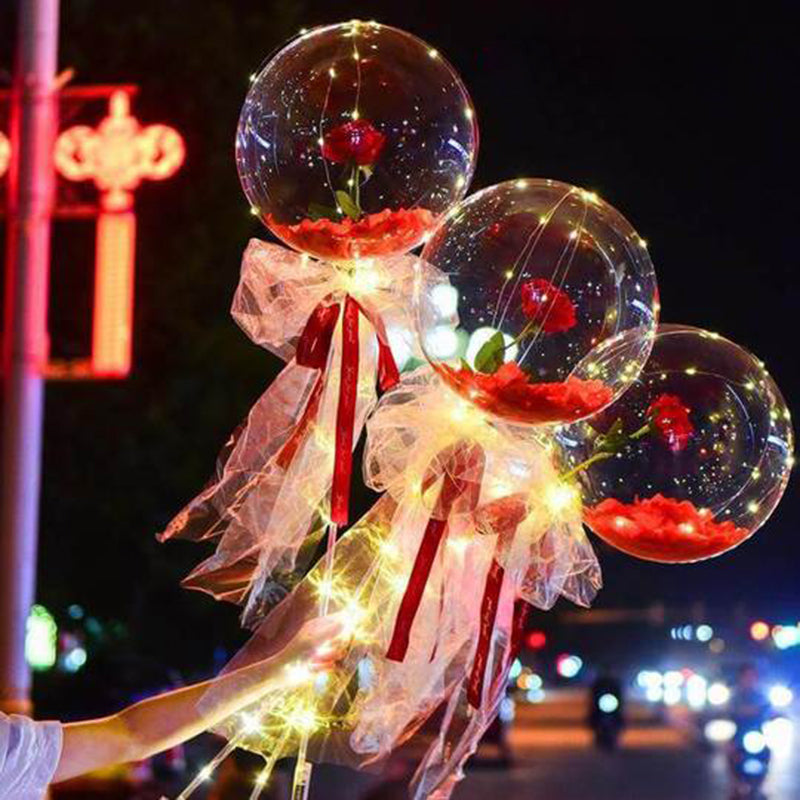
pixel 262 506
pixel 494 496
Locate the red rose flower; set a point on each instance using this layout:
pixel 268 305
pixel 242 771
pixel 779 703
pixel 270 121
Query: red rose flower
pixel 670 417
pixel 547 306
pixel 510 394
pixel 659 528
pixel 358 141
pixel 385 233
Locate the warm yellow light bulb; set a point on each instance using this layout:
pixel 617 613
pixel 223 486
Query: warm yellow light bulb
pixel 560 496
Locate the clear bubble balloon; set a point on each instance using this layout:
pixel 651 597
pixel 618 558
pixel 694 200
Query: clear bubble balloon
pixel 354 139
pixel 530 276
pixel 692 459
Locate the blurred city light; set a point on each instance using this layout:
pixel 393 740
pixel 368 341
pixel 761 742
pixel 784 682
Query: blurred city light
pixel 696 691
pixel 754 742
pixel 718 694
pixel 786 636
pixel 779 733
pixel 569 666
pixel 536 640
pixel 720 730
pixel 535 695
pixel 752 766
pixel 41 637
pixel 673 679
pixel 672 695
pixel 704 633
pixel 74 659
pixel 781 696
pixel 608 703
pixel 507 709
pixel 759 631
pixel 515 669
pixel 648 677
pixel 654 694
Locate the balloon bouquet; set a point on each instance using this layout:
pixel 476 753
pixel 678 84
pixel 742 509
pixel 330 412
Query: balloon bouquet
pixel 538 394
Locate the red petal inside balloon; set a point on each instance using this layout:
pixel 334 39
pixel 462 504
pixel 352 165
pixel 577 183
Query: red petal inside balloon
pixel 385 233
pixel 508 393
pixel 660 528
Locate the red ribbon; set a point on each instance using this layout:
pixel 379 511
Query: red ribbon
pixel 503 518
pixel 345 414
pixel 455 463
pixel 313 350
pixel 489 604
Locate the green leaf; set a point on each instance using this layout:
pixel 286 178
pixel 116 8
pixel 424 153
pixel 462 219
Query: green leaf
pixel 464 364
pixel 347 205
pixel 320 211
pixel 490 357
pixel 613 440
pixel 366 170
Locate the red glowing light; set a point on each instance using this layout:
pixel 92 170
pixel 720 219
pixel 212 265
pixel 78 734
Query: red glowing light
pixel 536 640
pixel 113 295
pixel 5 154
pixel 119 154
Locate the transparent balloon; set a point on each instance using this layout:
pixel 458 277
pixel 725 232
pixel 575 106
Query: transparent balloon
pixel 354 139
pixel 692 459
pixel 530 276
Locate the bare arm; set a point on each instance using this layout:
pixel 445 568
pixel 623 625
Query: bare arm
pixel 166 720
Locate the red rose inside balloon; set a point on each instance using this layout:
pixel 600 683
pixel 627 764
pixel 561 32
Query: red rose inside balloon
pixel 359 142
pixel 670 420
pixel 547 307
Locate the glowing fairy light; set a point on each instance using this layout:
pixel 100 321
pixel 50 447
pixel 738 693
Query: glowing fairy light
pixel 250 723
pixel 205 773
pixel 560 496
pixel 298 673
pixel 303 719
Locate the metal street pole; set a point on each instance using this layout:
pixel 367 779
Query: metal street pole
pixel 31 183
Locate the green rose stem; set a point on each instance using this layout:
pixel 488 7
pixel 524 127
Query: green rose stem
pixel 355 189
pixel 604 454
pixel 531 327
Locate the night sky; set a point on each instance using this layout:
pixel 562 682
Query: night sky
pixel 681 121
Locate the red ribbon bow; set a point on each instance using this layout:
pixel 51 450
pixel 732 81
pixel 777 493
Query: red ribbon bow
pixel 313 350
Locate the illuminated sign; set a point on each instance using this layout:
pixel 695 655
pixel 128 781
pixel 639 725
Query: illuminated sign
pixel 116 156
pixel 5 154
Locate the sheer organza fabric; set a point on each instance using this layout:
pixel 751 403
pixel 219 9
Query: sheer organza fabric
pixel 262 507
pixel 370 705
